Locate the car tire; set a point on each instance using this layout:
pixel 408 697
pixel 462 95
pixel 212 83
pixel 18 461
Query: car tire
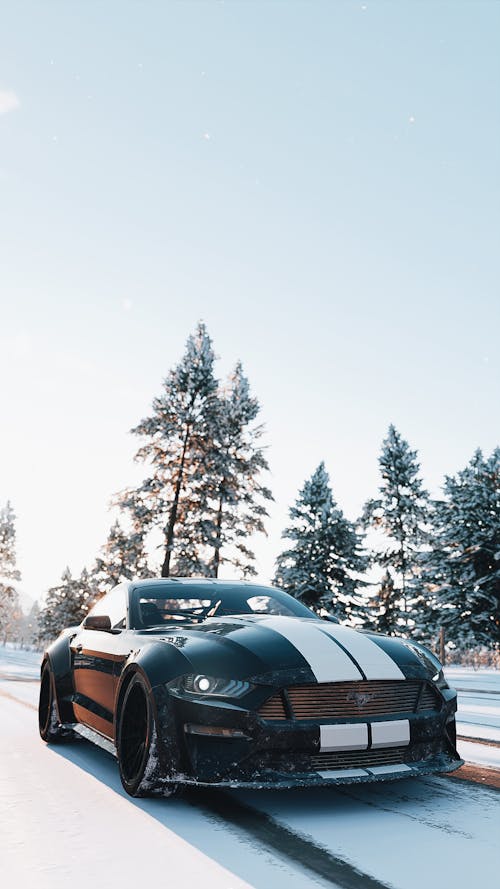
pixel 51 730
pixel 141 772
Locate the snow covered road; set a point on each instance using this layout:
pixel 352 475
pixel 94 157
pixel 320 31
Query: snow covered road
pixel 65 819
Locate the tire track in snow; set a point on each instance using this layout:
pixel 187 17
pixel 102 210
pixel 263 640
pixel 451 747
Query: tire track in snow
pixel 281 839
pixel 472 739
pixel 5 694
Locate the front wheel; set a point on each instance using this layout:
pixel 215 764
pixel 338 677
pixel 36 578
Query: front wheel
pixel 137 745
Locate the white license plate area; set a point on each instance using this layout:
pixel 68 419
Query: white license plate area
pixel 355 736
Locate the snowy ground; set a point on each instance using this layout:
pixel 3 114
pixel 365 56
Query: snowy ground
pixel 478 714
pixel 65 819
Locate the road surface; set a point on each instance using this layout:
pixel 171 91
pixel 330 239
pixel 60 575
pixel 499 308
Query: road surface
pixel 65 821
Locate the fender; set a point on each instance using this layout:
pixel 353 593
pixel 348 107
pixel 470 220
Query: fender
pixel 58 654
pixel 158 663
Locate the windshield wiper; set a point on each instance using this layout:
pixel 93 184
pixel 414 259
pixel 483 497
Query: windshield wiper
pixel 189 615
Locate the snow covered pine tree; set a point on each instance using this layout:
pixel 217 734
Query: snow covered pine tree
pixel 121 558
pixel 176 442
pixel 235 498
pixel 381 612
pixel 10 609
pixel 322 567
pixel 202 445
pixel 401 517
pixel 464 566
pixel 66 605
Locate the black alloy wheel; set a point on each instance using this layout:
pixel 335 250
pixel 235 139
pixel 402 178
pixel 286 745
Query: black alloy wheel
pixel 137 745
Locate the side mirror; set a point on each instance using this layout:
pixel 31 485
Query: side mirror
pixel 97 622
pixel 331 618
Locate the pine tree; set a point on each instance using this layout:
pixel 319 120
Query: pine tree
pixel 121 558
pixel 9 573
pixel 66 605
pixel 236 507
pixel 10 616
pixel 323 565
pixel 463 571
pixel 31 628
pixel 204 490
pixel 401 515
pixel 381 612
pixel 176 441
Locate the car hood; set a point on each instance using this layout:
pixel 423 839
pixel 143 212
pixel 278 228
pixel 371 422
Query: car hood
pixel 266 648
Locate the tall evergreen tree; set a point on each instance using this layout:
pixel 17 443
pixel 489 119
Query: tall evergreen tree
pixel 463 569
pixel 323 565
pixel 66 605
pixel 9 573
pixel 237 498
pixel 176 440
pixel 11 616
pixel 31 628
pixel 401 516
pixel 381 612
pixel 121 558
pixel 204 490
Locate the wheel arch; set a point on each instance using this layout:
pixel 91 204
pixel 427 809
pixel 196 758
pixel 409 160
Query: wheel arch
pixel 157 663
pixel 58 657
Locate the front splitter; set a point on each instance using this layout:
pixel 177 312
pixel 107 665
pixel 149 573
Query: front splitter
pixel 271 780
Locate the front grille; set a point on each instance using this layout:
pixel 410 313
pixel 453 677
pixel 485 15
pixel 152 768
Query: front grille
pixel 358 700
pixel 429 700
pixel 273 708
pixel 358 759
pixel 346 700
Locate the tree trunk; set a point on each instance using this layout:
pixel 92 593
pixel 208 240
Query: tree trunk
pixel 217 548
pixel 442 650
pixel 169 536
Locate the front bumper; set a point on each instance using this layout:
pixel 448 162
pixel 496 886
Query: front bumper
pixel 273 780
pixel 287 753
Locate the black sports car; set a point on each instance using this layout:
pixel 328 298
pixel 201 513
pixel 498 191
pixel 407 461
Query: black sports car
pixel 226 683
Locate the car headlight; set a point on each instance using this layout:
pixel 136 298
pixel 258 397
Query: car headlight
pixel 200 684
pixel 430 662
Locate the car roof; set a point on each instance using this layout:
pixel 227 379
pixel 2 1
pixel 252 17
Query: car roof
pixel 195 581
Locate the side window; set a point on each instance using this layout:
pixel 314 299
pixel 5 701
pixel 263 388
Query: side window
pixel 113 604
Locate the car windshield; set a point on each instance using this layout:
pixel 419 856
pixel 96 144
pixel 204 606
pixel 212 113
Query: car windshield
pixel 160 605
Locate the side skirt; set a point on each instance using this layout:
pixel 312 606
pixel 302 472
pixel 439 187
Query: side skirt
pixel 94 737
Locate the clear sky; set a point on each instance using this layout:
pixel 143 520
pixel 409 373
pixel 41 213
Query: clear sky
pixel 318 181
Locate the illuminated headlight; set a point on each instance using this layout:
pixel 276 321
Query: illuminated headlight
pixel 213 687
pixel 430 662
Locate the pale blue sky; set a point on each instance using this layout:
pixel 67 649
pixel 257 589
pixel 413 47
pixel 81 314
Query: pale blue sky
pixel 318 181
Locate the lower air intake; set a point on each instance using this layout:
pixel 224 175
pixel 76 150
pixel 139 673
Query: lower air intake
pixel 358 759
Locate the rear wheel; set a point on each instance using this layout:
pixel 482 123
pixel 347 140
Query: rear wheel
pixel 49 726
pixel 137 745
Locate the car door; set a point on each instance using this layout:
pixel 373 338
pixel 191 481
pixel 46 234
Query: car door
pixel 96 658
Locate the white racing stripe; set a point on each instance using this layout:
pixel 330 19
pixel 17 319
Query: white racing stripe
pixel 349 736
pixel 395 733
pixel 326 659
pixel 374 662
